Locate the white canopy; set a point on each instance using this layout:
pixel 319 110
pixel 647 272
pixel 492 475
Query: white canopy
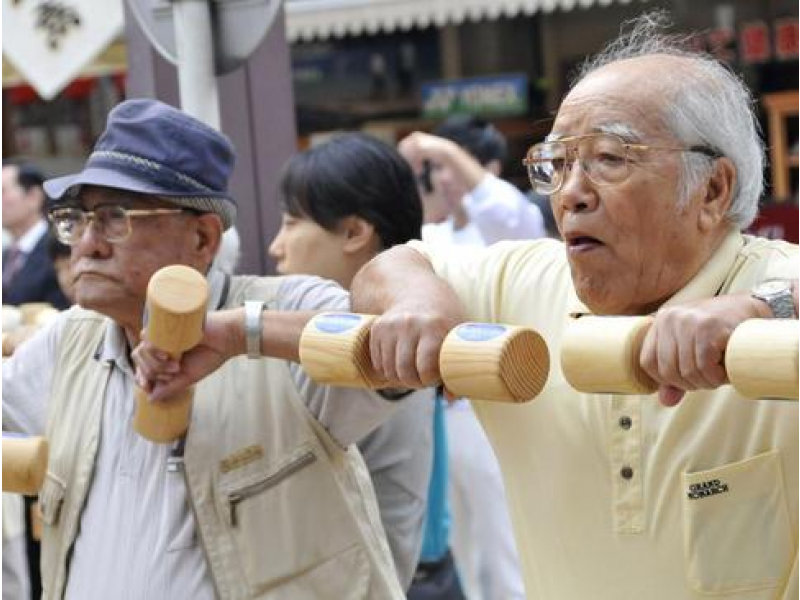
pixel 321 19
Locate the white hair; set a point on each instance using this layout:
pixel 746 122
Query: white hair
pixel 227 257
pixel 710 107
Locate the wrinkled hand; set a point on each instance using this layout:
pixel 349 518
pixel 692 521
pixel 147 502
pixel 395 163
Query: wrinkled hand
pixel 685 347
pixel 162 376
pixel 405 346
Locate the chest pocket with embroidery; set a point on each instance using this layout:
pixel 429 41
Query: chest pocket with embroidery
pixel 737 529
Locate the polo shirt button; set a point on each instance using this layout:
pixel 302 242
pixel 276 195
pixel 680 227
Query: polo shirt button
pixel 625 422
pixel 626 472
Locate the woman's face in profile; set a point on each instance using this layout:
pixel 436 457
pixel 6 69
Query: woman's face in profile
pixel 303 247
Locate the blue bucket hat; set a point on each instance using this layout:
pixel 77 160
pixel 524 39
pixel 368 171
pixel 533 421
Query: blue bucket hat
pixel 151 148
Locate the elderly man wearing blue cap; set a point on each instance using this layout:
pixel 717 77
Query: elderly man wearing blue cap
pixel 262 499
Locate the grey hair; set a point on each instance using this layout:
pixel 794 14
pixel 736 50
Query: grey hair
pixel 711 107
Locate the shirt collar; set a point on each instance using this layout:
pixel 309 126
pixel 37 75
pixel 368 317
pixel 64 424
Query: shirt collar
pixel 27 242
pixel 114 348
pixel 705 284
pixel 575 307
pixel 710 279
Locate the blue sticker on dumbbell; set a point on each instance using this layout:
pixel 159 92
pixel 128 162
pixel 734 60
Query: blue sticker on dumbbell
pixel 479 332
pixel 337 322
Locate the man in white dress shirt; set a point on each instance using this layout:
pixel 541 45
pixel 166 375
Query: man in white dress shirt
pixel 468 204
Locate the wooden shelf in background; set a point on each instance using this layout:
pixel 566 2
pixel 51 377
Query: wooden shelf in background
pixel 779 107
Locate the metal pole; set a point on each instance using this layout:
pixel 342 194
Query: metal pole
pixel 194 46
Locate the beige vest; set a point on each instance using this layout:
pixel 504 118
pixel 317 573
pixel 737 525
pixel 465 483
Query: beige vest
pixel 282 511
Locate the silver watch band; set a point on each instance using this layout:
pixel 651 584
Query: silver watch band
pixel 252 327
pixel 782 306
pixel 777 294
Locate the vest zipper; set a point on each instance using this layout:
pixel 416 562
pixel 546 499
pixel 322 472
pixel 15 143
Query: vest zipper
pixel 234 498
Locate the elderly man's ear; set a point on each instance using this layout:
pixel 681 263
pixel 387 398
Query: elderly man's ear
pixel 718 194
pixel 208 236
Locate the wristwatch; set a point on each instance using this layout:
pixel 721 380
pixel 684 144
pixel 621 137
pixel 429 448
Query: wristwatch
pixel 777 293
pixel 252 327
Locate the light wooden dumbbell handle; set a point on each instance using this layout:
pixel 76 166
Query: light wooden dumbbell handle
pixel 24 464
pixel 177 297
pixel 20 323
pixel 334 349
pixel 36 313
pixel 601 355
pixel 761 358
pixel 491 361
pixel 477 360
pixel 14 339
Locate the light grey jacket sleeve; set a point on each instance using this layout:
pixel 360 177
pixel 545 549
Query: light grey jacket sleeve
pixel 348 414
pixel 399 456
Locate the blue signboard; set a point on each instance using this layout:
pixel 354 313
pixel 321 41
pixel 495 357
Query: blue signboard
pixel 498 95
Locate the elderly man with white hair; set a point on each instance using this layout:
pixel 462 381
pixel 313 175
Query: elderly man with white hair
pixel 653 167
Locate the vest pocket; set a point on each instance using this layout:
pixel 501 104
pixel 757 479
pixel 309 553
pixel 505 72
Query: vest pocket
pixel 262 484
pixel 51 498
pixel 344 577
pixel 737 530
pixel 287 518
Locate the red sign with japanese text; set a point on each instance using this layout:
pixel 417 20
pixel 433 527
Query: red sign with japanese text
pixel 754 43
pixel 786 32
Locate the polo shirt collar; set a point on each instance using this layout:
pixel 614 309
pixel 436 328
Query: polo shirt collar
pixel 575 307
pixel 711 277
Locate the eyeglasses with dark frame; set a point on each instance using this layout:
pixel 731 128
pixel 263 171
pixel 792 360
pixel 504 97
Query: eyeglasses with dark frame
pixel 605 158
pixel 112 221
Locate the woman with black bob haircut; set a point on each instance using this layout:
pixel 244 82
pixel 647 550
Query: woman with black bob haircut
pixel 343 202
pixel 356 188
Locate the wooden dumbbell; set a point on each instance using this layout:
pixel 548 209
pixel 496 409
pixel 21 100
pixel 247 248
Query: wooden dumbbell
pixel 601 355
pixel 36 313
pixel 761 358
pixel 477 360
pixel 14 339
pixel 12 317
pixel 334 349
pixel 24 463
pixel 177 298
pixel 20 323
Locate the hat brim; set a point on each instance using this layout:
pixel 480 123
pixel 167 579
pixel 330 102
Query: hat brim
pixel 57 187
pixel 220 204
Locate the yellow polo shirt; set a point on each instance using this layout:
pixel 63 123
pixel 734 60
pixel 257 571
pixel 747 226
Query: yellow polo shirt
pixel 609 494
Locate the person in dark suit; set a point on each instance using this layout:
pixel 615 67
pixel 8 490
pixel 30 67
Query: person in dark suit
pixel 28 273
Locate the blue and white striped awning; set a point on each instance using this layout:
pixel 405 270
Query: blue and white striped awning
pixel 321 19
